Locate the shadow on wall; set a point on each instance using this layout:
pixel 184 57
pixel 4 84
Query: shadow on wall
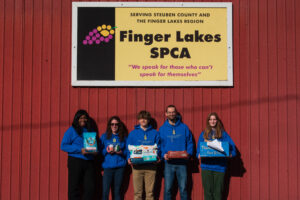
pixel 98 161
pixel 193 167
pixel 235 169
pixel 126 181
pixel 153 123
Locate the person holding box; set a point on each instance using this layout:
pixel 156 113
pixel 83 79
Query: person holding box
pixel 114 152
pixel 213 168
pixel 177 147
pixel 81 169
pixel 143 173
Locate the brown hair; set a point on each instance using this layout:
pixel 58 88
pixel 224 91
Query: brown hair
pixel 171 106
pixel 219 127
pixel 144 115
pixel 122 131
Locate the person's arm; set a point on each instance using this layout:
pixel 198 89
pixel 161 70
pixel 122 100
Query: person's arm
pixel 103 150
pixel 128 142
pixel 158 143
pixel 162 143
pixel 66 143
pixel 232 149
pixel 127 150
pixel 201 139
pixel 99 145
pixel 190 143
pixel 122 151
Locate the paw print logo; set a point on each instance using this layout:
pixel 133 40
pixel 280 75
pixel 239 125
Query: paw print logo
pixel 100 34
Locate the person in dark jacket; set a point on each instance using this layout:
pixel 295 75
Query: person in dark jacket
pixel 114 152
pixel 81 169
pixel 213 168
pixel 175 136
pixel 143 174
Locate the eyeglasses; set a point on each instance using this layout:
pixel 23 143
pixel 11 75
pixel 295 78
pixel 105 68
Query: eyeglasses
pixel 114 124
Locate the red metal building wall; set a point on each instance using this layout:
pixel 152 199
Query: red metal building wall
pixel 37 103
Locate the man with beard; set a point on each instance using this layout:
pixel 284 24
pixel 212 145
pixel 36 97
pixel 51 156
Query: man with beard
pixel 175 136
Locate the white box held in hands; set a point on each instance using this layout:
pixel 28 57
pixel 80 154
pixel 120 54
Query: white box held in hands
pixel 143 153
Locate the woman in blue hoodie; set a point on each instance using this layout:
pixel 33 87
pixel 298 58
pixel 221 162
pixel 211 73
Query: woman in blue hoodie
pixel 213 168
pixel 143 174
pixel 114 152
pixel 81 171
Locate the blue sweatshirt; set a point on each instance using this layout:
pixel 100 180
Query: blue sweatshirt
pixel 140 137
pixel 72 143
pixel 218 164
pixel 113 160
pixel 176 138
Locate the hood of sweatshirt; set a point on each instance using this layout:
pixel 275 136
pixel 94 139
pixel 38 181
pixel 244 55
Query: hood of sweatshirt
pixel 138 127
pixel 177 123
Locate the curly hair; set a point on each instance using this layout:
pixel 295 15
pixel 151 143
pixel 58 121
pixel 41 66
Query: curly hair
pixel 121 128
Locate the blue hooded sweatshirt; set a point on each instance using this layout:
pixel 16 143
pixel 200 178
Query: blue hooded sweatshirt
pixel 113 160
pixel 140 137
pixel 176 138
pixel 72 143
pixel 216 164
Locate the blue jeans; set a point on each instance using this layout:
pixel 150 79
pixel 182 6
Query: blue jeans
pixel 114 175
pixel 180 170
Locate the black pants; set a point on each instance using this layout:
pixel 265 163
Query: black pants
pixel 81 179
pixel 112 175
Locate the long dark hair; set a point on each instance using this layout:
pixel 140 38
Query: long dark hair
pixel 76 125
pixel 219 127
pixel 122 131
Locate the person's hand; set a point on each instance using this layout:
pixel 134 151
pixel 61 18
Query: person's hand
pixel 119 152
pixel 166 157
pixel 129 161
pixel 158 160
pixel 199 156
pixel 83 151
pixel 109 151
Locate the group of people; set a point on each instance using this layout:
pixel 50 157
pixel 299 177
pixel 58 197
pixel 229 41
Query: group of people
pixel 173 135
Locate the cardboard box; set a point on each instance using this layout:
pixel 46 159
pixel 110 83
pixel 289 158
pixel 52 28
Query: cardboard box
pixel 140 154
pixel 178 155
pixel 90 141
pixel 206 151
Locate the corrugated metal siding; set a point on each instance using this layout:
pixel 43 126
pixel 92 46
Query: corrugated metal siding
pixel 261 112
